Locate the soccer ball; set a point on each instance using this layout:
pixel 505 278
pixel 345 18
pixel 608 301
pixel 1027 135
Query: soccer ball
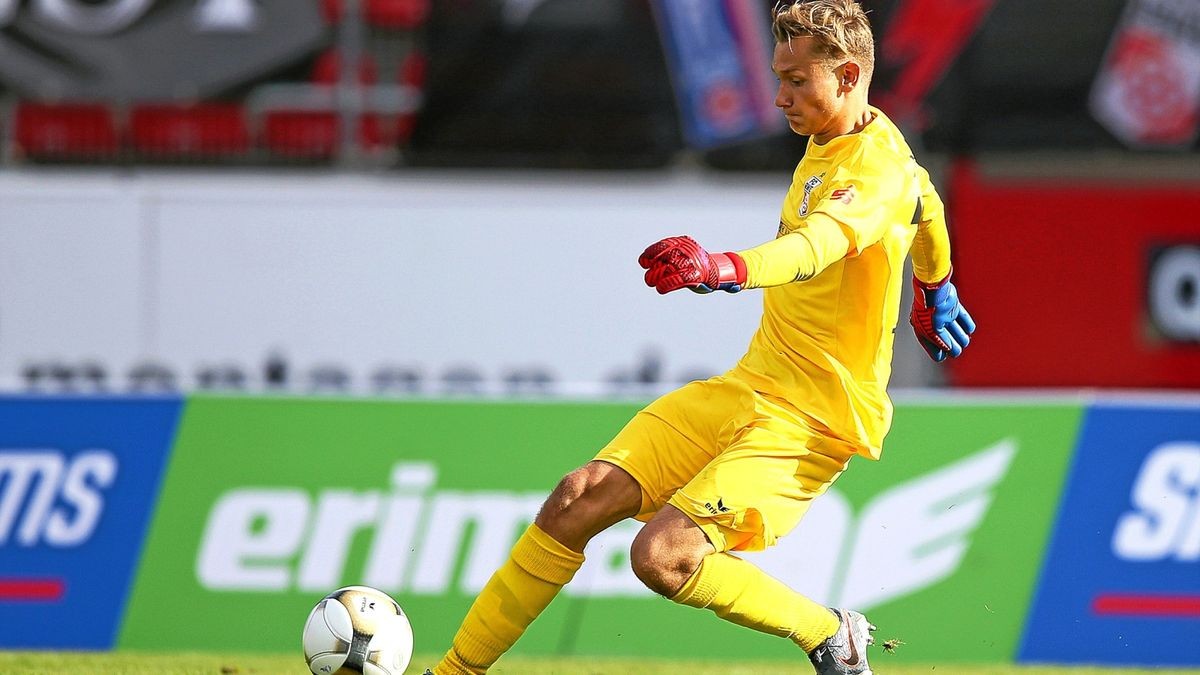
pixel 357 629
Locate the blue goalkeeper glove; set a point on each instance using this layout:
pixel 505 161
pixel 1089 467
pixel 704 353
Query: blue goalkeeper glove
pixel 680 262
pixel 942 324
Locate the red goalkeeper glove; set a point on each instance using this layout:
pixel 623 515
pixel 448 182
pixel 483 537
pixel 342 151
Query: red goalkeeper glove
pixel 941 323
pixel 679 262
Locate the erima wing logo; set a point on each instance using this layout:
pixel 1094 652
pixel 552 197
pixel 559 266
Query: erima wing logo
pixel 907 538
pixel 916 534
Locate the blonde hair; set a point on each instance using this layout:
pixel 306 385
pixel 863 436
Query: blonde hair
pixel 839 28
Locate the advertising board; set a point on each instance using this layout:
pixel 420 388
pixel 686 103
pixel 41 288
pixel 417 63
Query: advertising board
pixel 271 503
pixel 78 481
pixel 993 529
pixel 1121 580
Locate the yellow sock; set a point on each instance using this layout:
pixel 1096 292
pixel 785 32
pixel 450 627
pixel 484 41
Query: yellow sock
pixel 538 567
pixel 742 593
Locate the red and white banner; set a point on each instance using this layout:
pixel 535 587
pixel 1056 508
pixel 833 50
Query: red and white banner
pixel 1147 92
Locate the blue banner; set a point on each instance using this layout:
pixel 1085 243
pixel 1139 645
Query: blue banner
pixel 78 479
pixel 718 54
pixel 1121 581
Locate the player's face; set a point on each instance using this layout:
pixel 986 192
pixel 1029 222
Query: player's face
pixel 810 89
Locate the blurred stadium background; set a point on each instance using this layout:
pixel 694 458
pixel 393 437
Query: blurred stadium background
pixel 302 293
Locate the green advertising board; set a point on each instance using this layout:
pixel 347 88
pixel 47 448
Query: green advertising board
pixel 269 504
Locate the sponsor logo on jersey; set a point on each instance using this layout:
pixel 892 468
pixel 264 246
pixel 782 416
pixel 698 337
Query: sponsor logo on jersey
pixel 844 195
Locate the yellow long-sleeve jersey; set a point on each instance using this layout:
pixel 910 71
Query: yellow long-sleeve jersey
pixel 833 276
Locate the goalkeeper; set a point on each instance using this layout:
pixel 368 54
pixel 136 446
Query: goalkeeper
pixel 732 463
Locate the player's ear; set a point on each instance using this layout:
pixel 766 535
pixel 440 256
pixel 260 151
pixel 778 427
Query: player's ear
pixel 849 74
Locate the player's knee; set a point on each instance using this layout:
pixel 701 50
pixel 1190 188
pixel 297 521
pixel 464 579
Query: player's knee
pixel 588 500
pixel 578 497
pixel 662 563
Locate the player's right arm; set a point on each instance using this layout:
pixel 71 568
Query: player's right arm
pixel 680 262
pixel 855 209
pixel 852 214
pixel 798 255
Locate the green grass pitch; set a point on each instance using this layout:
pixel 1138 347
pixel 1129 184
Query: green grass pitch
pixel 137 663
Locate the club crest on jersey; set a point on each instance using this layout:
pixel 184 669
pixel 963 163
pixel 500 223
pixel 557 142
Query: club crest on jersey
pixel 809 185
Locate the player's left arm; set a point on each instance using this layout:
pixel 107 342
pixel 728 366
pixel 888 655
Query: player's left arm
pixel 939 320
pixel 931 245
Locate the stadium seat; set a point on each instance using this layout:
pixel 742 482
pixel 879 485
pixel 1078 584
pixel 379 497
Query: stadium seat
pixel 301 134
pixel 397 14
pixel 65 130
pixel 203 130
pixel 388 14
pixel 412 73
pixel 315 135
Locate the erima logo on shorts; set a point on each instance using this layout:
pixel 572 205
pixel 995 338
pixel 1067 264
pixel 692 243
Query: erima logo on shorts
pixel 809 185
pixel 719 508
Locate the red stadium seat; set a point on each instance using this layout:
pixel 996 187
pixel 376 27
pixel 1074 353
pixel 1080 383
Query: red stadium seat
pixel 315 135
pixel 412 73
pixel 66 130
pixel 390 14
pixel 371 132
pixel 397 14
pixel 203 131
pixel 301 134
pixel 413 69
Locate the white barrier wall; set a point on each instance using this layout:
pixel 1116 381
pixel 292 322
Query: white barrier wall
pixel 426 270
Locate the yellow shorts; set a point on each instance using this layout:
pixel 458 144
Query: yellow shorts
pixel 742 466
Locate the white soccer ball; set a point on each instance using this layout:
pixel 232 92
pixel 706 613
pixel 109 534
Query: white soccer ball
pixel 357 629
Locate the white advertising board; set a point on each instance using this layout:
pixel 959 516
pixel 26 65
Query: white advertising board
pixel 432 272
